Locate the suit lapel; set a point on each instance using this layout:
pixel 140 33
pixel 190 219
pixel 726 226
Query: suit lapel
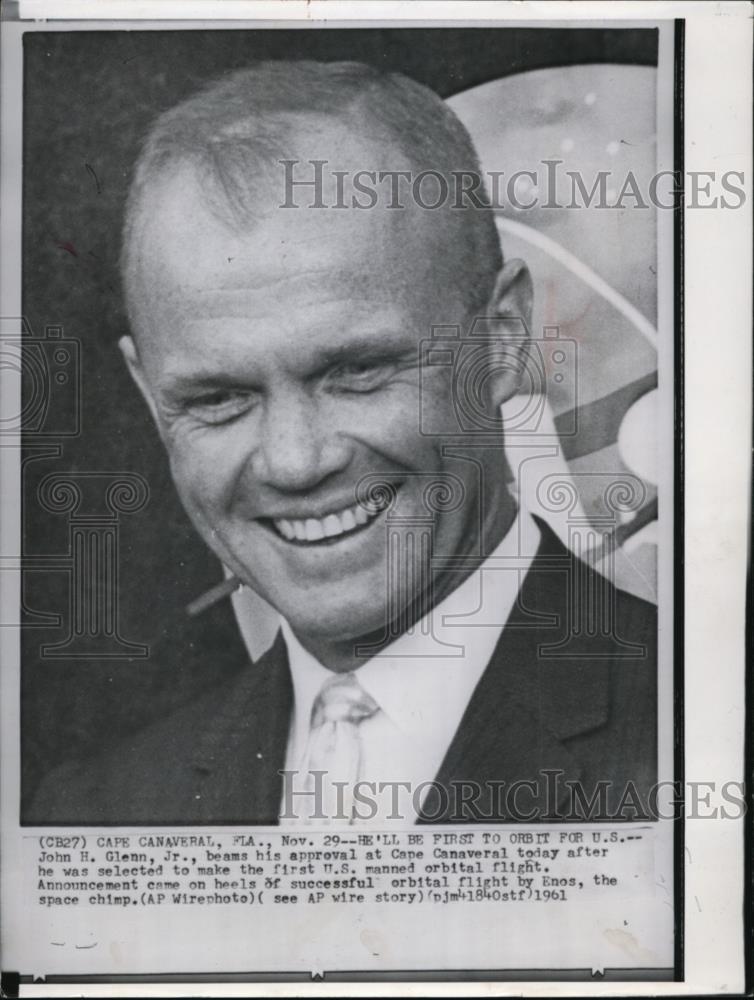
pixel 524 706
pixel 242 750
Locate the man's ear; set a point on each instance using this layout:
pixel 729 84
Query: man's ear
pixel 510 308
pixel 133 363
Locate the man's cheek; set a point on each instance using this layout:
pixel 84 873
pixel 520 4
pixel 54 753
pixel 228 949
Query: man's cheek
pixel 199 483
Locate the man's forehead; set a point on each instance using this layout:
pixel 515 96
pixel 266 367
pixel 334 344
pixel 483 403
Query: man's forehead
pixel 183 243
pixel 325 291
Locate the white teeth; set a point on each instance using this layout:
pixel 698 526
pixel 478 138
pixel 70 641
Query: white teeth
pixel 348 520
pixel 332 525
pixel 315 529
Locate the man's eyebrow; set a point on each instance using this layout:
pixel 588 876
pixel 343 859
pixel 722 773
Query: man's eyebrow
pixel 380 346
pixel 177 385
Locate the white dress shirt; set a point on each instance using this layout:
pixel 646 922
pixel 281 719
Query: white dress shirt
pixel 423 681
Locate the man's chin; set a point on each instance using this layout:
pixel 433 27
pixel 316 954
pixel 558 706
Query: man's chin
pixel 336 625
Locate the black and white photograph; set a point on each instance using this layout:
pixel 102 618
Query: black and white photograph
pixel 325 321
pixel 347 427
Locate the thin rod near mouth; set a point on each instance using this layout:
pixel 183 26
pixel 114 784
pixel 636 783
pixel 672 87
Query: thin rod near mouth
pixel 213 596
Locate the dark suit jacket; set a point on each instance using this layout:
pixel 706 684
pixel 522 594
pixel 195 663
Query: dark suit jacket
pixel 568 696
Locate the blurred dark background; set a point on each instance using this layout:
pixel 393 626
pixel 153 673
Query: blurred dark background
pixel 88 98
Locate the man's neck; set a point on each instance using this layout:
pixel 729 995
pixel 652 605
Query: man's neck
pixel 341 655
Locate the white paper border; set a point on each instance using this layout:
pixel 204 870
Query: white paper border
pixel 718 310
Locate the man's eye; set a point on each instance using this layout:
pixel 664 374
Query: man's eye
pixel 220 406
pixel 361 377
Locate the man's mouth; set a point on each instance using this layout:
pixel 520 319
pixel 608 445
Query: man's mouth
pixel 311 530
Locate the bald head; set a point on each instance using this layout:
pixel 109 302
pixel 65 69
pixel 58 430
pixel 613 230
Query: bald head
pixel 188 235
pixel 233 135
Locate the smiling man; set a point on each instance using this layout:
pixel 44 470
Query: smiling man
pixel 280 345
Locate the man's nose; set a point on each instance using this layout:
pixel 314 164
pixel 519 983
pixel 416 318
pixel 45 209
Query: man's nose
pixel 297 446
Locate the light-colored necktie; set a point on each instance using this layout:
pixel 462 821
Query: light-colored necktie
pixel 335 747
